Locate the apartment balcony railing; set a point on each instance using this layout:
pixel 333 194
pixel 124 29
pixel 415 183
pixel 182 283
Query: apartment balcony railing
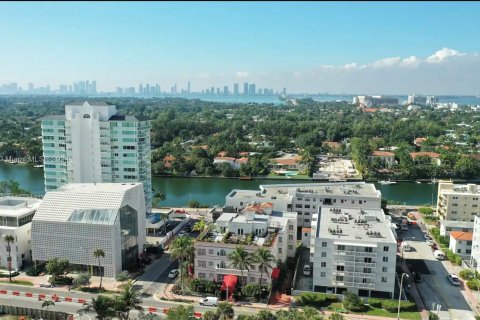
pixel 354 284
pixel 357 264
pixel 353 253
pixel 354 274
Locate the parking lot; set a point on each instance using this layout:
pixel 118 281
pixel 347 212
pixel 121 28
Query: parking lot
pixel 434 288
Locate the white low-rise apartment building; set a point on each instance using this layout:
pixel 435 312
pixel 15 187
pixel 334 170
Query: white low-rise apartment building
pixel 458 202
pixel 461 243
pixel 353 250
pixel 447 226
pixel 16 214
pixel 76 219
pixel 275 232
pixel 475 257
pixel 306 198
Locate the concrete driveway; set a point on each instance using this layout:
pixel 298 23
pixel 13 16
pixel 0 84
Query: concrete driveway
pixel 435 289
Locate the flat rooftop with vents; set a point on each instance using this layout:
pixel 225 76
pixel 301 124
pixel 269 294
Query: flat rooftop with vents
pixel 362 225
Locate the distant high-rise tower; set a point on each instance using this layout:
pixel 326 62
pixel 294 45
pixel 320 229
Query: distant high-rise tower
pixel 212 90
pixel 92 143
pixel 140 88
pixel 245 88
pixel 188 87
pixel 94 87
pixel 251 89
pixel 235 89
pixel 284 91
pixel 30 87
pixel 225 90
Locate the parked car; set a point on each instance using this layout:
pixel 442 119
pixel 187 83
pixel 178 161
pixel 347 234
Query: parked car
pixel 173 273
pixel 47 285
pixel 307 270
pixel 208 301
pixel 182 233
pixel 439 255
pixel 188 229
pixel 417 276
pixel 453 279
pixel 426 236
pixel 434 247
pixel 430 242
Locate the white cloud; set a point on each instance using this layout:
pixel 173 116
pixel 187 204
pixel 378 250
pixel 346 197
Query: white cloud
pixel 242 74
pixel 386 62
pixel 443 54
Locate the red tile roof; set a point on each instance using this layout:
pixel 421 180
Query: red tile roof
pixel 224 158
pixel 287 161
pixel 426 154
pixel 222 154
pixel 418 141
pixel 378 153
pixel 242 160
pixel 460 235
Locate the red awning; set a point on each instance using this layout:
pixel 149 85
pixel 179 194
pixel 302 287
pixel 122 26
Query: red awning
pixel 230 282
pixel 275 273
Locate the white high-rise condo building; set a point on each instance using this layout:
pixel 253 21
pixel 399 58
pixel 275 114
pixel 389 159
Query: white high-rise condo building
pixel 16 214
pixel 76 219
pixel 353 250
pixel 93 143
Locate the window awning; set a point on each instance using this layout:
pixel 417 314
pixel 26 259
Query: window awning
pixel 230 282
pixel 275 273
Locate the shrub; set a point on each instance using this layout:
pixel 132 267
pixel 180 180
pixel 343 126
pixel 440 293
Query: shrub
pixel 353 302
pixel 458 260
pixel 375 303
pixel 390 305
pixel 197 285
pixel 63 281
pixel 122 276
pixel 473 284
pixel 425 210
pixel 176 289
pixel 432 316
pixel 82 279
pixel 252 290
pixel 466 274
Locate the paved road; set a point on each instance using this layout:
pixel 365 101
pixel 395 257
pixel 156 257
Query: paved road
pixel 435 288
pixel 72 307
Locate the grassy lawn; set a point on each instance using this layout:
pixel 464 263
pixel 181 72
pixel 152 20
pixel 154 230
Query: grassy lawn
pixel 20 282
pixel 410 315
pixel 272 175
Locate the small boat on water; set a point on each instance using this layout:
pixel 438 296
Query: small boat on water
pixel 38 166
pixel 419 182
pixel 385 182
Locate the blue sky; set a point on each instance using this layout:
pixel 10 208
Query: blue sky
pixel 213 43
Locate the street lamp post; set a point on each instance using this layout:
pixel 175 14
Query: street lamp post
pixel 400 294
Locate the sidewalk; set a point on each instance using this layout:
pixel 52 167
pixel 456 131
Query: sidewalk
pixel 414 292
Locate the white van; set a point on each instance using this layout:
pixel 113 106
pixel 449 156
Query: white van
pixel 209 301
pixel 406 246
pixel 439 255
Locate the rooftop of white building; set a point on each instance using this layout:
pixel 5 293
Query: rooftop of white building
pixel 68 202
pixel 353 224
pixel 12 206
pixel 286 191
pixel 274 223
pixel 449 187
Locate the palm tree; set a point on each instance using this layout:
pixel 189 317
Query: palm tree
pixel 182 249
pixel 264 258
pixel 225 311
pixel 102 306
pixel 241 259
pixel 200 226
pixel 9 239
pixel 129 299
pixel 47 303
pixel 99 254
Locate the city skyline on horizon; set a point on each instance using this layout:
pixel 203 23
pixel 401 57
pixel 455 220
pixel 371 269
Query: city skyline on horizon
pixel 306 47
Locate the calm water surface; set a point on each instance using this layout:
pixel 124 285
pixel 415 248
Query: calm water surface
pixel 212 191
